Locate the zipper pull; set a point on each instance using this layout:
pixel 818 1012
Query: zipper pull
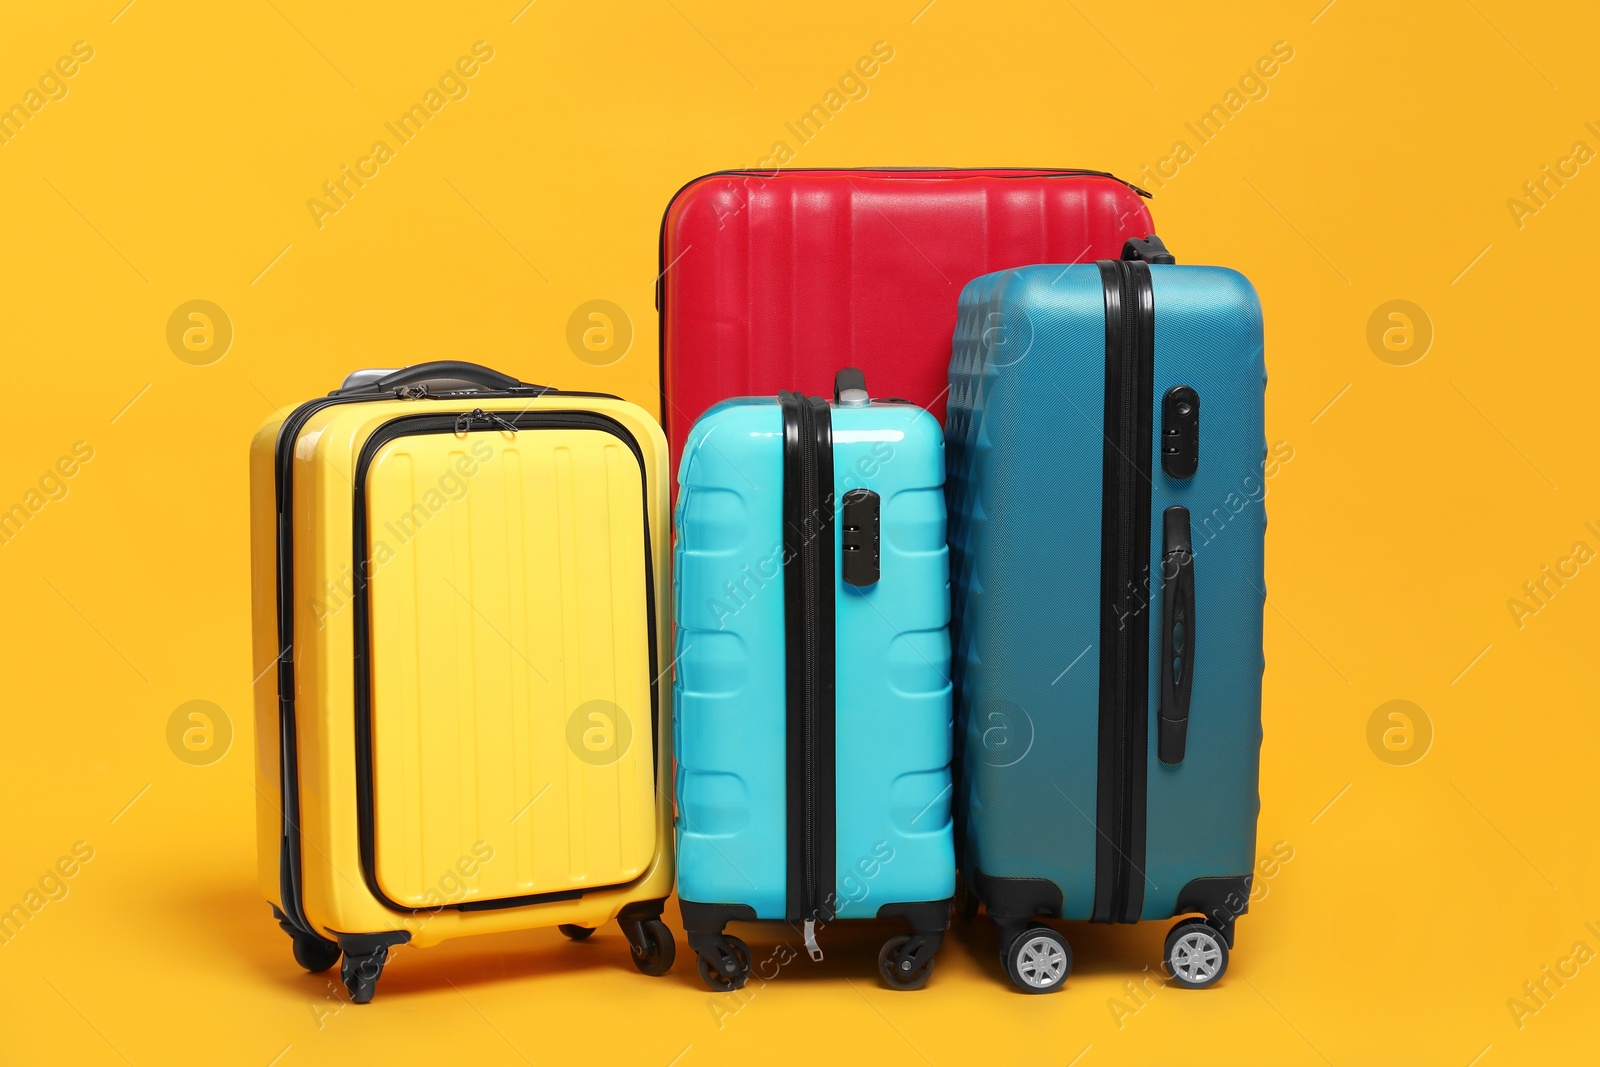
pixel 465 420
pixel 494 419
pixel 411 392
pixel 811 940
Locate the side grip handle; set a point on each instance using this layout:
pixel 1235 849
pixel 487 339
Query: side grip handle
pixel 859 537
pixel 1150 249
pixel 1177 635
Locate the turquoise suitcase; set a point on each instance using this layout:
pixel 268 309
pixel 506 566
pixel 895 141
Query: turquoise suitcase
pixel 813 699
pixel 1108 472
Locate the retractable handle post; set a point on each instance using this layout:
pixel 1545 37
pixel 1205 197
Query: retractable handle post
pixel 1150 249
pixel 850 387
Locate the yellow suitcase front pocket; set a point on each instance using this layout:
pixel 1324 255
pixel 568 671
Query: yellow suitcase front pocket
pixel 510 718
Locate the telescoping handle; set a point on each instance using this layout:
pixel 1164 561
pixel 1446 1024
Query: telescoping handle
pixel 1177 635
pixel 850 387
pixel 1150 249
pixel 449 374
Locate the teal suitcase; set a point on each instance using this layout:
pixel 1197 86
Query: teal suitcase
pixel 1107 483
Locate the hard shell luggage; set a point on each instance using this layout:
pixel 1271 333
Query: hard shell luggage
pixel 459 583
pixel 1106 445
pixel 772 279
pixel 813 695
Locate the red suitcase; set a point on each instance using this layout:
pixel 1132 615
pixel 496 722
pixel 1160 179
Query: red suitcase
pixel 775 280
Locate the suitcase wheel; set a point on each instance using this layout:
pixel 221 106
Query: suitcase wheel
pixel 725 964
pixel 1038 960
pixel 906 962
pixel 1196 954
pixel 575 932
pixel 360 974
pixel 652 944
pixel 315 954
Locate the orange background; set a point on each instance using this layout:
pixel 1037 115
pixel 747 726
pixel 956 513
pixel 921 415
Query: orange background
pixel 1377 164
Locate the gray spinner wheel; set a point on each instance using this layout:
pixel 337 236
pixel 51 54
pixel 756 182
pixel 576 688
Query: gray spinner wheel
pixel 1196 954
pixel 1038 960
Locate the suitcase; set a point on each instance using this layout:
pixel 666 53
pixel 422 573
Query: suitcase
pixel 457 643
pixel 813 695
pixel 1106 448
pixel 771 280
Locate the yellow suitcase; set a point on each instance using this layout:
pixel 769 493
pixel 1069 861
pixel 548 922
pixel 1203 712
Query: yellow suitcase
pixel 460 587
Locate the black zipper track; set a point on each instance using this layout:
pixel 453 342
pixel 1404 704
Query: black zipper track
pixel 414 425
pixel 289 883
pixel 1124 592
pixel 289 854
pixel 809 620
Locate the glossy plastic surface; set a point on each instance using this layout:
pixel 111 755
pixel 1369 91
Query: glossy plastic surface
pixel 1026 442
pixel 893 665
pixel 573 843
pixel 510 660
pixel 774 281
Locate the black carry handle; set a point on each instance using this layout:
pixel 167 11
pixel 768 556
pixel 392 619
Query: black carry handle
pixel 1177 635
pixel 848 379
pixel 442 370
pixel 1150 249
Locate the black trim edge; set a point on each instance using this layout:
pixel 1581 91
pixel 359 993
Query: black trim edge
pixel 809 667
pixel 703 924
pixel 924 916
pixel 1016 898
pixel 1125 565
pixel 1124 704
pixel 711 918
pixel 446 422
pixel 290 883
pixel 1220 898
pixel 362 944
pixel 1143 311
pixel 293 929
pixel 527 900
pixel 1108 766
pixel 642 910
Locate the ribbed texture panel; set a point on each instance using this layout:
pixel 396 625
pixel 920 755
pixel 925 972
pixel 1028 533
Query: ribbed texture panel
pixel 777 282
pixel 505 603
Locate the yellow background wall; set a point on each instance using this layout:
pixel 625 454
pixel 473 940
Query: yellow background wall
pixel 1376 164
